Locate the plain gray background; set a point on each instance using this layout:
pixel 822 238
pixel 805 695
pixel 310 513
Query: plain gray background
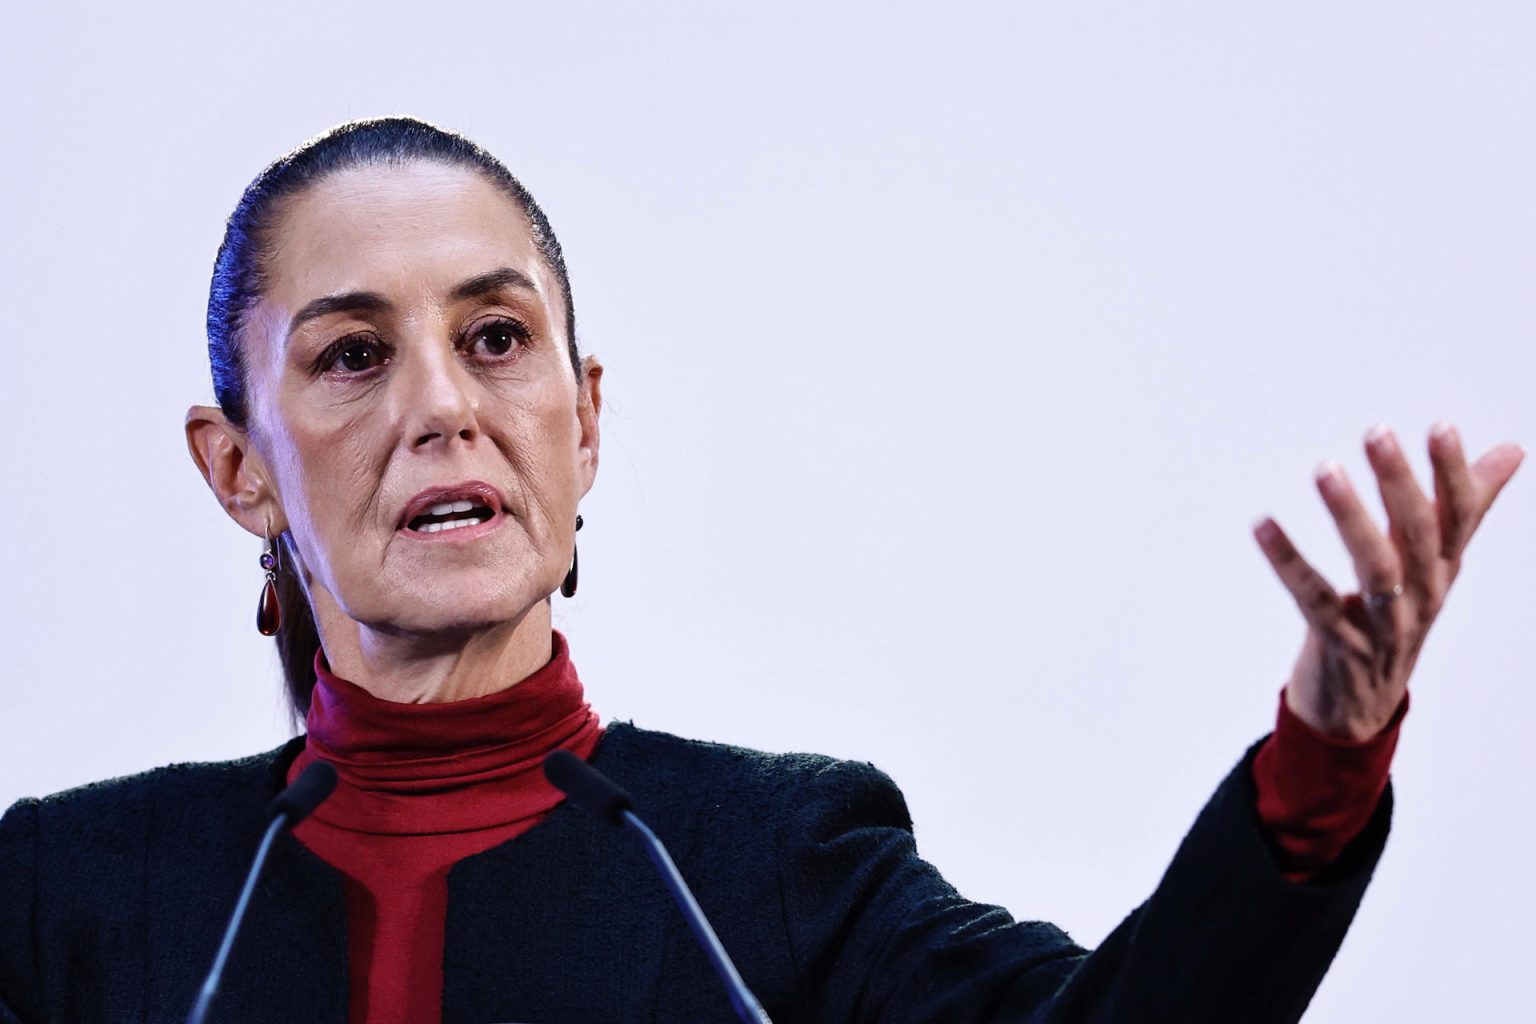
pixel 951 356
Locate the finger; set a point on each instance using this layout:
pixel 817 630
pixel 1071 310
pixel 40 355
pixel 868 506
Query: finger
pixel 1313 594
pixel 1489 474
pixel 1377 565
pixel 1457 505
pixel 1411 520
pixel 1493 469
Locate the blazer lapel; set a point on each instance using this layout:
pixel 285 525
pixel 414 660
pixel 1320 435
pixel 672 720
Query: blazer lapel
pixel 561 925
pixel 290 956
pixel 558 926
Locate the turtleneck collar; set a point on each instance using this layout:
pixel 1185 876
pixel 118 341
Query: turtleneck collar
pixel 463 766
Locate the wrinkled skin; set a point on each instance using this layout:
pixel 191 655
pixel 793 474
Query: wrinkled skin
pixel 1360 649
pixel 360 409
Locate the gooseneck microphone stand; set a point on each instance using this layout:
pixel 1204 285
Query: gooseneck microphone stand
pixel 590 789
pixel 287 809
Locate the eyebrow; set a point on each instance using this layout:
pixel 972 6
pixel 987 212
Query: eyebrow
pixel 493 281
pixel 373 302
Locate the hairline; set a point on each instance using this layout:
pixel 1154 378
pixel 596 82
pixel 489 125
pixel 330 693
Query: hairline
pixel 279 210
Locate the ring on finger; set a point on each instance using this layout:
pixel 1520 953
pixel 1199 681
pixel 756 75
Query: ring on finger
pixel 1379 600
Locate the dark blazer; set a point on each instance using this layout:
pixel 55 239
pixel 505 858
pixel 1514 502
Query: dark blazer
pixel 113 898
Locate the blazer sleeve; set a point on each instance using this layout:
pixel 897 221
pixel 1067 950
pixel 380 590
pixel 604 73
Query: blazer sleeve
pixel 877 935
pixel 19 999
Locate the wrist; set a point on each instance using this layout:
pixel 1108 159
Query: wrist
pixel 1332 723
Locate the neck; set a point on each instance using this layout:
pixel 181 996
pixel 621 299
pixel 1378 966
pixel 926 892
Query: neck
pixel 436 669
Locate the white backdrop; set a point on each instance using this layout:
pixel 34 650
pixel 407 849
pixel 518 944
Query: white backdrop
pixel 950 358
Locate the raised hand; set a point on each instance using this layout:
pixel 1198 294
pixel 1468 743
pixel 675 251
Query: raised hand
pixel 1361 647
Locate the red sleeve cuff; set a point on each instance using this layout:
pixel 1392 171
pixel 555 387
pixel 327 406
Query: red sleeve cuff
pixel 1314 792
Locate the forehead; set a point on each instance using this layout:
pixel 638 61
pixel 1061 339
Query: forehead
pixel 418 226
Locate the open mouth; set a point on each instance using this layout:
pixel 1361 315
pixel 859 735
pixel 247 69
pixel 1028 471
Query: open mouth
pixel 450 515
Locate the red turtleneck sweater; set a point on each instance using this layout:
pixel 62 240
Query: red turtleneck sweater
pixel 422 786
pixel 419 787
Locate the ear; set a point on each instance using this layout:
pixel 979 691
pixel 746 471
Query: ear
pixel 589 405
pixel 234 471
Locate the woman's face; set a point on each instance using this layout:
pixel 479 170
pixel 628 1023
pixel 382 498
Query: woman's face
pixel 413 404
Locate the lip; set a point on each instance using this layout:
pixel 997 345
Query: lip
pixel 477 491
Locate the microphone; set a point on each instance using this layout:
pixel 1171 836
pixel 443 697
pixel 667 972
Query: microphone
pixel 593 791
pixel 308 791
pixel 287 809
pixel 587 787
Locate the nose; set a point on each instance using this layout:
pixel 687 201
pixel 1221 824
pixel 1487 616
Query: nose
pixel 440 403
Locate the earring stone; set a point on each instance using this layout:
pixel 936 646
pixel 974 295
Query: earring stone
pixel 269 613
pixel 568 585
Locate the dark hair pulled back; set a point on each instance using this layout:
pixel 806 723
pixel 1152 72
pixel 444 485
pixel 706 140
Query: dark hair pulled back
pixel 240 273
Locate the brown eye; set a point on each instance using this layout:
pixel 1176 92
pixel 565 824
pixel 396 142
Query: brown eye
pixel 358 358
pixel 354 355
pixel 499 337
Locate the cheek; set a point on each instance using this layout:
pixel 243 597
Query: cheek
pixel 545 436
pixel 329 484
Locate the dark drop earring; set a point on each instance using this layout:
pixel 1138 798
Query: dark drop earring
pixel 568 585
pixel 269 613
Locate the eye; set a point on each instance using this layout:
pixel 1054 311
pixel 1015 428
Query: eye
pixel 355 354
pixel 498 337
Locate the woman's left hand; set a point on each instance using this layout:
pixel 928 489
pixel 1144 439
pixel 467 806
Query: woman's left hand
pixel 1361 647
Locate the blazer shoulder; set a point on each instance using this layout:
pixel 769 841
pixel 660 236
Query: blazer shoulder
pixel 631 744
pixel 798 782
pixel 106 806
pixel 74 864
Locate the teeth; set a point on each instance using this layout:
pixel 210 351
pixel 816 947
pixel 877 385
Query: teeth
pixel 448 508
pixel 452 524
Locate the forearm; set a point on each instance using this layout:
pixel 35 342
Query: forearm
pixel 1226 936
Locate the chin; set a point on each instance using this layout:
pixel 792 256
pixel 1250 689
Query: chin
pixel 462 602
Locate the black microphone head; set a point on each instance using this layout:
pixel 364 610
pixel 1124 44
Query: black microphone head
pixel 587 787
pixel 308 791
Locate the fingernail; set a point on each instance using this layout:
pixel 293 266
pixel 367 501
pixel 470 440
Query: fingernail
pixel 1443 430
pixel 1266 530
pixel 1330 477
pixel 1379 439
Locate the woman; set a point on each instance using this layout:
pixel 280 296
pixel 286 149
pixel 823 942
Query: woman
pixel 405 420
